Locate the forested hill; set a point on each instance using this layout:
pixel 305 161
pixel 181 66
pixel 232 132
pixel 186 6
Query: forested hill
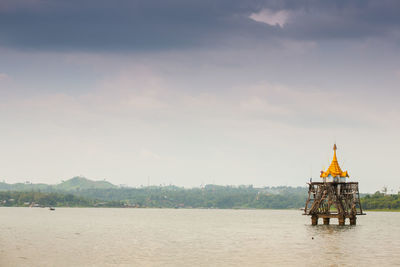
pixel 73 184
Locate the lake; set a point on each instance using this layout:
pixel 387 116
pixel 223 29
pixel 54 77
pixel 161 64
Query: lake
pixel 192 237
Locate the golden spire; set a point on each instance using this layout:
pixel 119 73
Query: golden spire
pixel 334 169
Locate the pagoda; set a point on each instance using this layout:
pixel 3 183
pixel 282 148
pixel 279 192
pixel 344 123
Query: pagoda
pixel 334 197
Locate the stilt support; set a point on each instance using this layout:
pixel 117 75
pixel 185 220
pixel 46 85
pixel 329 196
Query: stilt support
pixel 342 220
pixel 326 221
pixel 314 220
pixel 353 220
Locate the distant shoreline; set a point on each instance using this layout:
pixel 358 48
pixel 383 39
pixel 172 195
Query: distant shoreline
pixel 182 208
pixel 82 192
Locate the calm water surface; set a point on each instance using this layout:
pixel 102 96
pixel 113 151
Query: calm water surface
pixel 164 237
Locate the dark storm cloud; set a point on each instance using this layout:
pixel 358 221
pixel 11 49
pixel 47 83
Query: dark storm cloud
pixel 153 25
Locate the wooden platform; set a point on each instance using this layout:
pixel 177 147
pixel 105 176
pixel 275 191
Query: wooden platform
pixel 328 200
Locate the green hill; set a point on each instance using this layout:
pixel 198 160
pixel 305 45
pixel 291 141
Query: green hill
pixel 82 183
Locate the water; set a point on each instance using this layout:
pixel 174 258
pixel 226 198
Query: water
pixel 183 237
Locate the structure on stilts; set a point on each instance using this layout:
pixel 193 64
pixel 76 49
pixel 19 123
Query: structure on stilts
pixel 334 197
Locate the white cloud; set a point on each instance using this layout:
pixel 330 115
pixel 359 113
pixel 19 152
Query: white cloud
pixel 135 89
pixel 274 18
pixel 139 94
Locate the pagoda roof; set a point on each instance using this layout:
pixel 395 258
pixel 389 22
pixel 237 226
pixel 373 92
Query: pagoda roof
pixel 334 169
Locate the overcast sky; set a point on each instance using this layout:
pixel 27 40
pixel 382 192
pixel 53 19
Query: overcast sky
pixel 196 92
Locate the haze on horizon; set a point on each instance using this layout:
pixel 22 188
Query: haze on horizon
pixel 195 92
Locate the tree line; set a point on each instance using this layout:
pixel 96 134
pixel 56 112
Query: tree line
pixel 379 201
pixel 39 199
pixel 209 196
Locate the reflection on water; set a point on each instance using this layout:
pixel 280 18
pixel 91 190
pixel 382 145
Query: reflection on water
pixel 327 230
pixel 329 239
pixel 163 237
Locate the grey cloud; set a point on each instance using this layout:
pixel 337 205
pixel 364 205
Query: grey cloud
pixel 346 19
pixel 174 24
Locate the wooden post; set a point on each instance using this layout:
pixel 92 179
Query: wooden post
pixel 353 220
pixel 314 220
pixel 326 221
pixel 341 220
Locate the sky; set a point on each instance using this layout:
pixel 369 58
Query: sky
pixel 196 92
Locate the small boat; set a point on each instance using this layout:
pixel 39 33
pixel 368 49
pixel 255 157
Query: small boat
pixel 52 208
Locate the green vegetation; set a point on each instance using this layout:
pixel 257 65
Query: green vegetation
pixel 380 201
pixel 81 192
pixel 81 183
pixel 210 196
pixel 101 193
